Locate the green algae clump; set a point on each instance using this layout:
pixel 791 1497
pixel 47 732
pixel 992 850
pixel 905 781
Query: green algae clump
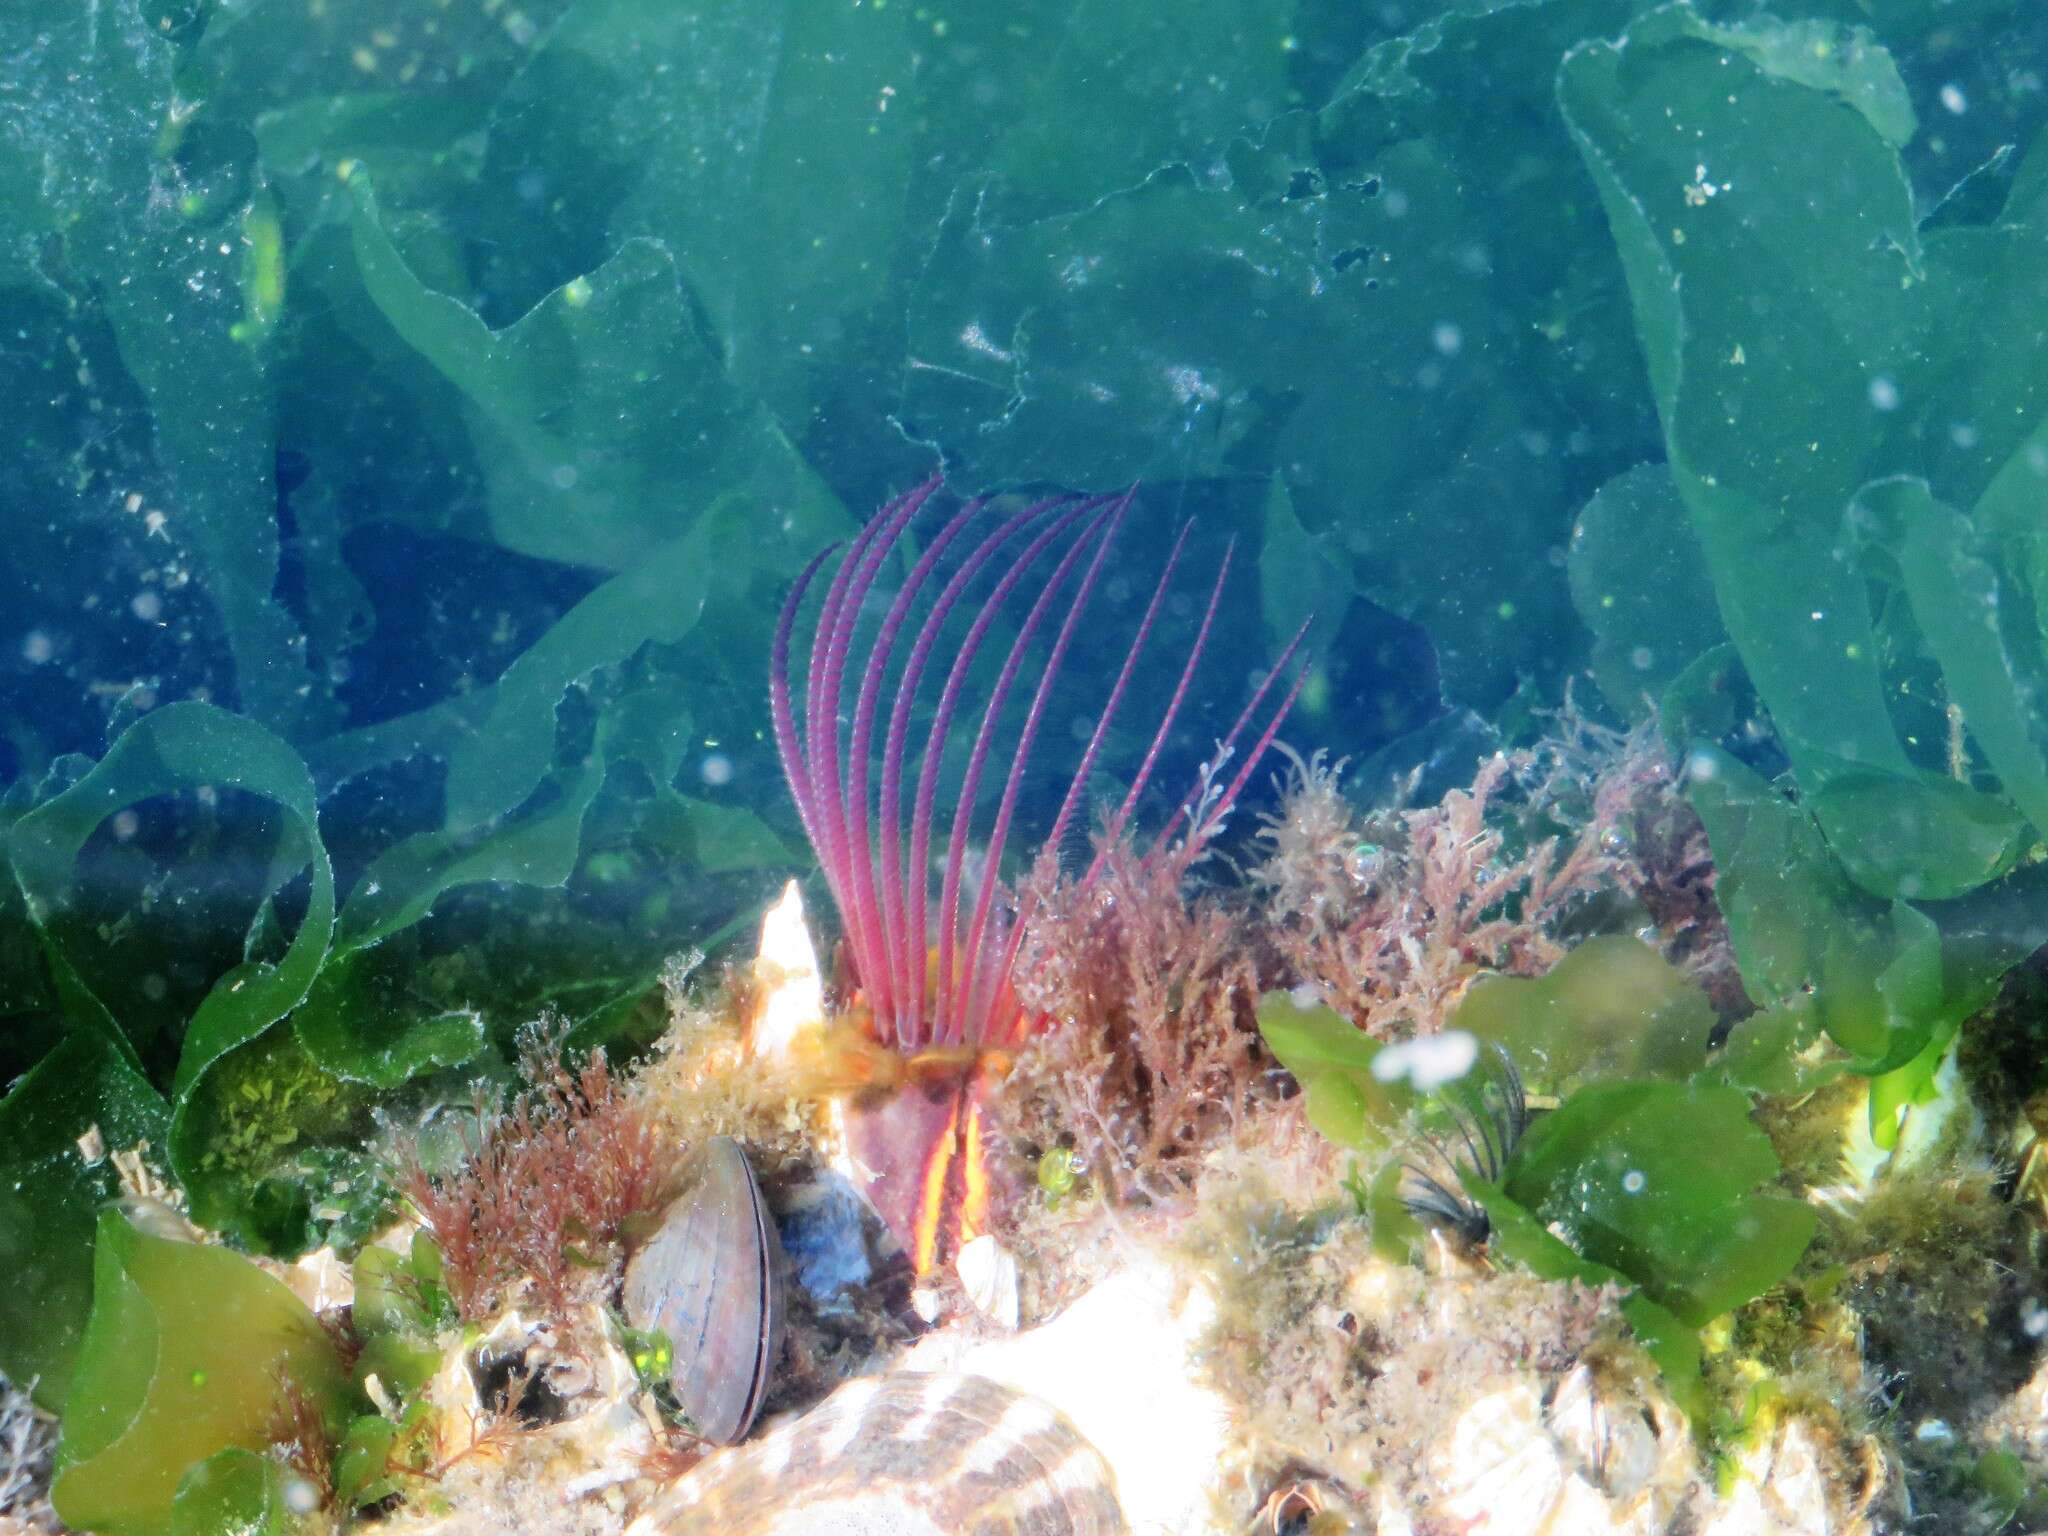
pixel 1612 1008
pixel 1658 1181
pixel 190 1350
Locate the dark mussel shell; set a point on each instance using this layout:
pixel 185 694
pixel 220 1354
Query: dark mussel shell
pixel 711 1280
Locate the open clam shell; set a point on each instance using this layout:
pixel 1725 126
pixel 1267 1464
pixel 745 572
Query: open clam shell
pixel 711 1280
pixel 911 1454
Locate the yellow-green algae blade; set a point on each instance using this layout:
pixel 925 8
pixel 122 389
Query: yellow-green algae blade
pixel 187 1353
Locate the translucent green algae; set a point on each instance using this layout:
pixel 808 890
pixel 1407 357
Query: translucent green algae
pixel 189 1351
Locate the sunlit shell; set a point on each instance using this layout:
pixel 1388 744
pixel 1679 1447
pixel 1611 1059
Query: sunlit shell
pixel 1800 1480
pixel 906 1455
pixel 1122 1363
pixel 711 1280
pixel 988 1273
pixel 789 994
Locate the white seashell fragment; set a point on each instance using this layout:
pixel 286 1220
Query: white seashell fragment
pixel 791 994
pixel 988 1273
pixel 1501 1466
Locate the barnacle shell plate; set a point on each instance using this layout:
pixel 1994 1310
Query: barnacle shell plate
pixel 902 1455
pixel 1595 1462
pixel 1793 1483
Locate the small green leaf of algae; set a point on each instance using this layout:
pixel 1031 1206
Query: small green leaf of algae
pixel 1656 1180
pixel 234 1491
pixel 1332 1060
pixel 50 1190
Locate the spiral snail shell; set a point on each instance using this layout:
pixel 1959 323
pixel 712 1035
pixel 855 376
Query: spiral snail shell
pixel 906 1454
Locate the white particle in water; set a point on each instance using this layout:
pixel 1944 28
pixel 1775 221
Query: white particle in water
pixel 1189 386
pixel 716 769
pixel 1884 394
pixel 1953 98
pixel 1633 1181
pixel 1428 1061
pixel 975 339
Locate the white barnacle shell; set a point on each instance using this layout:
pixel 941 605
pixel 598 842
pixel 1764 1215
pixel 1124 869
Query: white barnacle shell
pixel 905 1454
pixel 988 1273
pixel 790 994
pixel 1599 1459
pixel 1799 1480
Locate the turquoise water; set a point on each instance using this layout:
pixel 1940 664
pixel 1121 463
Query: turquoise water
pixel 418 413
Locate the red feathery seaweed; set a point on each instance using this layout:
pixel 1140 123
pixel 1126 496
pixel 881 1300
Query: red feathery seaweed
pixel 547 1189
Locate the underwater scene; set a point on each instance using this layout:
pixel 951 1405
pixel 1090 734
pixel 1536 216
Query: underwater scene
pixel 892 768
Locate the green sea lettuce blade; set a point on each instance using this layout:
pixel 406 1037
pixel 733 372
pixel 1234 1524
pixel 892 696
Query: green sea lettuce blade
pixel 1879 977
pixel 1332 1060
pixel 233 1491
pixel 599 412
pixel 85 175
pixel 1613 1007
pixel 1521 1238
pixel 1714 167
pixel 185 1355
pixel 1639 583
pixel 50 1194
pixel 1877 347
pixel 1984 626
pixel 1657 1181
pixel 770 146
pixel 184 746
